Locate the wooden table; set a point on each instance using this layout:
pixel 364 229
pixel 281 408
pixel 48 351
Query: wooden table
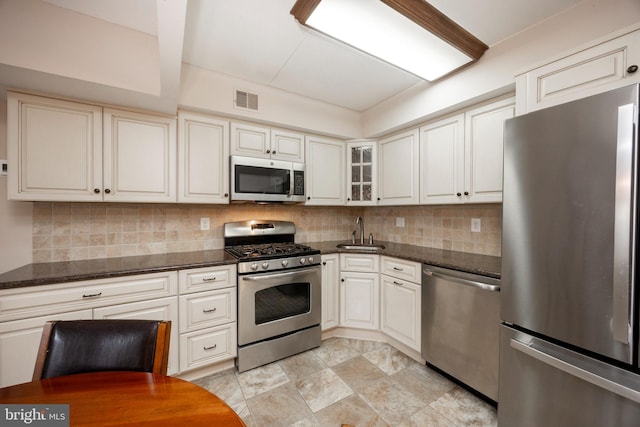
pixel 126 398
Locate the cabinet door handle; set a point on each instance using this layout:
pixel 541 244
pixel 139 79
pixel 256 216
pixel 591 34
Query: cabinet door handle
pixel 397 283
pixel 209 310
pixel 398 269
pixel 92 295
pixel 209 279
pixel 210 348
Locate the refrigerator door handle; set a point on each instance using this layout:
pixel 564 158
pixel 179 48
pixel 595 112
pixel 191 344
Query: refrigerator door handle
pixel 579 367
pixel 622 256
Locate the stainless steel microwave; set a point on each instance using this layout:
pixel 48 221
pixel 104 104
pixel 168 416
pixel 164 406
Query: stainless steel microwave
pixel 266 180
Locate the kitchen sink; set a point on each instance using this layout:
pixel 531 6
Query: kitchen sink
pixel 357 247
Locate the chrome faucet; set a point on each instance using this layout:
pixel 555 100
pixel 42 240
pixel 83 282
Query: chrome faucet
pixel 360 222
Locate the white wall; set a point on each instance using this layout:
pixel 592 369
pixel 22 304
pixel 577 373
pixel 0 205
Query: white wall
pixel 212 92
pixel 15 217
pixel 494 73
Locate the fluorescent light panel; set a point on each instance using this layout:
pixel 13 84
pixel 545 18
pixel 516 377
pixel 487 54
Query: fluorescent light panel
pixel 379 30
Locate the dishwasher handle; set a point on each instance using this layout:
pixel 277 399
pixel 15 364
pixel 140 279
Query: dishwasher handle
pixel 460 280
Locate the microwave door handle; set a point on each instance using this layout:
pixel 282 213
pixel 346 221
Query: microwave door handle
pixel 622 238
pixel 291 182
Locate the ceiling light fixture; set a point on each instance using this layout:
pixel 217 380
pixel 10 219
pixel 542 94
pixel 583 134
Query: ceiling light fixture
pixel 410 34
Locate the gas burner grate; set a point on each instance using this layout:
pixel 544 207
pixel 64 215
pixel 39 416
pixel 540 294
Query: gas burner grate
pixel 268 249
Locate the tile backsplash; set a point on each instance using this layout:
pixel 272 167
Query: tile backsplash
pixel 75 231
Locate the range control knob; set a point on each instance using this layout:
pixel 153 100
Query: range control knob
pixel 265 265
pixel 310 260
pixel 303 261
pixel 285 262
pixel 254 266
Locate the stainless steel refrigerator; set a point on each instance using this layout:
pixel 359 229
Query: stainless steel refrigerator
pixel 569 303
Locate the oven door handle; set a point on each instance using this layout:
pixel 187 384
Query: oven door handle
pixel 268 276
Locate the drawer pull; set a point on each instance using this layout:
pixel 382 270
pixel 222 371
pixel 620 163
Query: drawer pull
pixel 210 348
pixel 209 279
pixel 92 295
pixel 210 310
pixel 398 269
pixel 397 283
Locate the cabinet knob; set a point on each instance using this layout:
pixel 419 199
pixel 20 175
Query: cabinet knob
pixel 268 151
pixel 348 199
pixel 632 69
pixel 324 262
pixel 273 152
pixel 342 280
pixel 226 194
pixel 466 193
pixel 96 190
pixel 458 194
pixel 308 198
pixel 106 190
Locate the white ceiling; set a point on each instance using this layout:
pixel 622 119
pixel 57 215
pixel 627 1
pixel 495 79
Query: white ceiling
pixel 259 41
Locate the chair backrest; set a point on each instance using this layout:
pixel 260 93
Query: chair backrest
pixel 78 346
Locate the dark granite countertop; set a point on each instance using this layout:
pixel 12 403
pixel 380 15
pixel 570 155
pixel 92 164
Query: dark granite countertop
pixel 70 271
pixel 484 265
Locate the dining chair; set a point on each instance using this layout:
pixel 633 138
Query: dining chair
pixel 79 346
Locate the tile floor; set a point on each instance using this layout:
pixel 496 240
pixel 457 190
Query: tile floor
pixel 363 383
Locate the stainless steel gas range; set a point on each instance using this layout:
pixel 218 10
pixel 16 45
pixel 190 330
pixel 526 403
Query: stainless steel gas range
pixel 278 291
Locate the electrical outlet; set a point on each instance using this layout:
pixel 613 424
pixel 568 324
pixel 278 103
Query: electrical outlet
pixel 476 225
pixel 399 222
pixel 204 224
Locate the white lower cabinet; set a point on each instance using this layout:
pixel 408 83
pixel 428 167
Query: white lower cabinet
pixel 208 316
pixel 24 311
pixel 400 302
pixel 212 345
pixel 19 341
pixel 330 291
pixel 359 291
pixel 158 309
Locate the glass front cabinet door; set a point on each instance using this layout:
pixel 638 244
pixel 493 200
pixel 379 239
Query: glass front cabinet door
pixel 362 157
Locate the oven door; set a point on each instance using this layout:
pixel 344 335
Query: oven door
pixel 272 304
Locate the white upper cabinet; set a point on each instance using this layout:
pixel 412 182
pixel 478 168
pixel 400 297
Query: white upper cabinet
pixel 286 145
pixel 399 174
pixel 362 173
pixel 442 160
pixel 68 151
pixel 250 140
pixel 325 171
pixel 484 137
pixel 54 149
pixel 203 159
pixel 139 157
pixel 258 141
pixel 603 66
pixel 461 156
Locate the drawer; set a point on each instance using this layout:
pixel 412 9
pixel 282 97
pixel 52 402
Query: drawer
pixel 401 269
pixel 205 309
pixel 206 278
pixel 31 301
pixel 201 348
pixel 360 263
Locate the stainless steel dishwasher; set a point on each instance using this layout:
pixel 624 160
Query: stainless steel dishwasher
pixel 460 326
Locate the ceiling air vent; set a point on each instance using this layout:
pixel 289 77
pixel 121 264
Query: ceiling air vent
pixel 246 100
